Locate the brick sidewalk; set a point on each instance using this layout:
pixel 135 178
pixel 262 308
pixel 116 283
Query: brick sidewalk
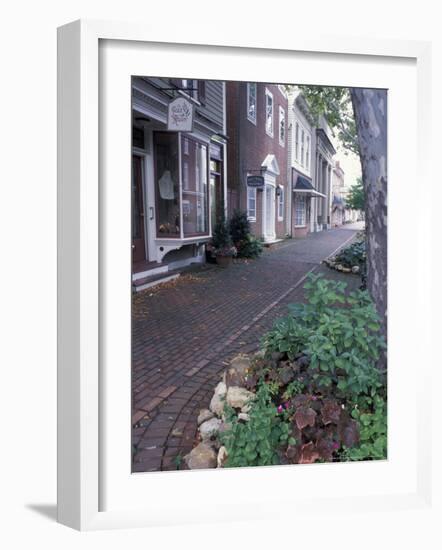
pixel 184 334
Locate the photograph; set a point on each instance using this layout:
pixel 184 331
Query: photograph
pixel 259 274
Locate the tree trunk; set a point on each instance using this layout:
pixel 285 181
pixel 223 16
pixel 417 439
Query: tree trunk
pixel 370 110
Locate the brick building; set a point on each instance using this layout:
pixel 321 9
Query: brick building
pixel 257 131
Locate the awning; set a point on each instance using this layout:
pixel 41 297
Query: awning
pixel 304 185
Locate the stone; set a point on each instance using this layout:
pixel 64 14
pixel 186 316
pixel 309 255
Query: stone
pixel 339 267
pixel 221 389
pixel 204 415
pixel 246 408
pixel 243 416
pixel 210 428
pixel 355 269
pixel 238 397
pixel 346 270
pixel 218 399
pixel 201 457
pixel 222 457
pixel 237 372
pixel 260 354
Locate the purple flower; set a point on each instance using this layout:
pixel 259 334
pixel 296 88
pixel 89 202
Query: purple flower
pixel 335 445
pixel 279 409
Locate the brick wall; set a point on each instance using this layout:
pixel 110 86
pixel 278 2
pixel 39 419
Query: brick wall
pixel 249 144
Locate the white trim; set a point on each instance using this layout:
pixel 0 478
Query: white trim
pixel 249 217
pixel 405 485
pixel 268 93
pixel 253 120
pixel 281 205
pixel 282 118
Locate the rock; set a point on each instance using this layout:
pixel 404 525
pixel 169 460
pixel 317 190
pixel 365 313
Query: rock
pixel 210 428
pixel 218 399
pixel 238 397
pixel 204 415
pixel 260 354
pixel 221 389
pixel 243 416
pixel 202 456
pixel 339 267
pixel 246 408
pixel 237 372
pixel 355 269
pixel 222 457
pixel 346 270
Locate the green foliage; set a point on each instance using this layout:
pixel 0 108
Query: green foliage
pixel 354 254
pixel 250 247
pixel 373 432
pixel 247 245
pixel 334 103
pixel 222 244
pixel 255 442
pixel 356 196
pixel 338 332
pixel 239 226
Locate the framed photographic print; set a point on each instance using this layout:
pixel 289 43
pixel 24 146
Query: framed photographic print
pixel 231 313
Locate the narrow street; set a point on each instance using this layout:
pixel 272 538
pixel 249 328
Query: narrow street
pixel 185 332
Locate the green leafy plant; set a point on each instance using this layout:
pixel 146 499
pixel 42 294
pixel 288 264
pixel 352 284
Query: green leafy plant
pixel 352 255
pixel 239 226
pixel 373 432
pixel 339 334
pixel 222 244
pixel 250 247
pixel 247 245
pixel 257 441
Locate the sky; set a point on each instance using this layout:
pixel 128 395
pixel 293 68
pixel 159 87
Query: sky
pixel 350 164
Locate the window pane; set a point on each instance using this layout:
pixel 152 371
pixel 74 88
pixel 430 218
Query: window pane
pixel 195 217
pixel 269 114
pixel 251 101
pixel 167 184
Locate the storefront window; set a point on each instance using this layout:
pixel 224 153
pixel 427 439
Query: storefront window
pixel 167 184
pixel 300 210
pixel 195 192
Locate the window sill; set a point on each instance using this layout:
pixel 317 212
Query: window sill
pixel 252 121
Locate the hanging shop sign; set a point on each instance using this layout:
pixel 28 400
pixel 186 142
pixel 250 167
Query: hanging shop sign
pixel 180 114
pixel 255 181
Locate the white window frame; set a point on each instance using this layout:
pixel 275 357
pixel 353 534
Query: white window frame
pixel 281 204
pixel 269 95
pixel 251 193
pixel 252 119
pixel 301 199
pixel 281 119
pixel 308 141
pixel 296 140
pixel 302 142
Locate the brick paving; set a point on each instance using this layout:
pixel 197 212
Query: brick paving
pixel 185 332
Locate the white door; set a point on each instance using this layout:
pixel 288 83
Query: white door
pixel 269 215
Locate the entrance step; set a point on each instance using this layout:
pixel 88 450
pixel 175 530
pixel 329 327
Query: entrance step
pixel 153 280
pixel 271 244
pixel 141 270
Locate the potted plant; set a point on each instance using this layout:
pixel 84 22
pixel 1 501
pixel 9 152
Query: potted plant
pixel 222 246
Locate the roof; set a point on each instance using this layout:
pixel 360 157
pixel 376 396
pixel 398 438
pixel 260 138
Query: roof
pixel 304 185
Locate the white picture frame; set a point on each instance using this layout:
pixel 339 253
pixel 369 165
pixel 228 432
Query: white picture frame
pixel 82 297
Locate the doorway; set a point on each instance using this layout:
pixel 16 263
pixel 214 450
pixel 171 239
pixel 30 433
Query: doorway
pixel 139 249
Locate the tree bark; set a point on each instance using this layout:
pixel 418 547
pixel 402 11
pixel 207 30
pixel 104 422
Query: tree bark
pixel 370 110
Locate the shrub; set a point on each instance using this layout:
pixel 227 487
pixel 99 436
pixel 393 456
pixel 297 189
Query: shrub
pixel 239 226
pixel 257 441
pixel 373 432
pixel 222 244
pixel 250 247
pixel 354 254
pixel 320 363
pixel 338 333
pixel 247 245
